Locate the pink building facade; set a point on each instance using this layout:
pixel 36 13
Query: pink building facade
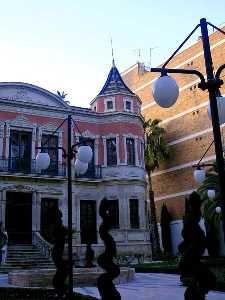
pixel 30 118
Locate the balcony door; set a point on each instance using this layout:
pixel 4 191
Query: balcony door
pixel 20 151
pixel 50 144
pixel 91 165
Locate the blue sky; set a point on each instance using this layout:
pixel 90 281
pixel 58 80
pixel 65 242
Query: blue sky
pixel 65 44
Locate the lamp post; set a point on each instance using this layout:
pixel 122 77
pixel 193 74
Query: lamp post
pixel 84 156
pixel 166 91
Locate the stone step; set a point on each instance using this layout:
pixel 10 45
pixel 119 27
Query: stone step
pixel 25 257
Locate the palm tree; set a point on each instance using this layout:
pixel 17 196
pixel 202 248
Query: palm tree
pixel 211 217
pixel 156 151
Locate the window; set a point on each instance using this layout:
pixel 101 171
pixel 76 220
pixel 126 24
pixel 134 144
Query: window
pixel 20 151
pixel 114 213
pixel 134 213
pixel 128 105
pixel 111 152
pixel 50 144
pixel 130 152
pixel 109 104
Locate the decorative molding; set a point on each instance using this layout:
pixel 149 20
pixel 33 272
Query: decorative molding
pixel 19 188
pixel 20 94
pixel 49 128
pixel 19 91
pixel 22 122
pixel 128 99
pixel 109 99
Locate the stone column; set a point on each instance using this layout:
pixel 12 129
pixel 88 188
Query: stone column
pixel 125 148
pixel 118 149
pixel 142 215
pixel 136 151
pixel 3 206
pixel 34 212
pixel 39 136
pixel 1 139
pixel 105 151
pixel 60 145
pixel 38 211
pixel 76 217
pixel 96 151
pixel 7 136
pixel 34 136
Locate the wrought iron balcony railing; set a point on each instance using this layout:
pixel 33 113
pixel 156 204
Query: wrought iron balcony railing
pixel 27 166
pixel 93 172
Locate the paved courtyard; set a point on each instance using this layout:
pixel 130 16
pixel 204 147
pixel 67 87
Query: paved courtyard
pixel 152 286
pixel 146 286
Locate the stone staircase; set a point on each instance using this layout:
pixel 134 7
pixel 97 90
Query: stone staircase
pixel 22 257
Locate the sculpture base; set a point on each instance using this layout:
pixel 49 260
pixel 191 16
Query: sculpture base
pixel 82 277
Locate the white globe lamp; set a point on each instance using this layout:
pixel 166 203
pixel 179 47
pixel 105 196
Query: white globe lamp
pixel 42 161
pixel 80 167
pixel 218 209
pixel 84 154
pixel 221 109
pixel 199 175
pixel 211 194
pixel 165 91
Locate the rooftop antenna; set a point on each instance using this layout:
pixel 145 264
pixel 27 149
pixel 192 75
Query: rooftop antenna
pixel 150 55
pixel 138 52
pixel 113 61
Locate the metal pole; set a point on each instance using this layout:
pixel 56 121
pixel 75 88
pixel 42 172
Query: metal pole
pixel 215 117
pixel 70 212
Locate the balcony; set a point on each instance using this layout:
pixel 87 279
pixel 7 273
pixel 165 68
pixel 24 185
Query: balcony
pixel 26 166
pixel 93 172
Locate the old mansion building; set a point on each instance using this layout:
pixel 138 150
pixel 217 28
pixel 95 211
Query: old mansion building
pixel 30 118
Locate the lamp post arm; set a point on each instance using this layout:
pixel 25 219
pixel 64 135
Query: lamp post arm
pixel 205 152
pixel 202 165
pixel 218 72
pixel 164 71
pixel 75 124
pixel 181 45
pixel 217 28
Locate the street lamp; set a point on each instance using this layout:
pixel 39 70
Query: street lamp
pixel 212 83
pixel 83 157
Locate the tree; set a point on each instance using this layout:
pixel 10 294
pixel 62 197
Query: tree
pixel 211 217
pixel 156 151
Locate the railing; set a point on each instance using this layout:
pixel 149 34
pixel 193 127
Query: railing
pixel 44 246
pixel 26 166
pixel 93 172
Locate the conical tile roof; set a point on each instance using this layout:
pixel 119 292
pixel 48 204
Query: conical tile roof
pixel 114 84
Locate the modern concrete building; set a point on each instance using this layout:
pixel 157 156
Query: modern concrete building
pixel 29 118
pixel 188 128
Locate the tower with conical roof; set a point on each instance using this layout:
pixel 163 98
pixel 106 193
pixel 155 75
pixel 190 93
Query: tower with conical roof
pixel 115 96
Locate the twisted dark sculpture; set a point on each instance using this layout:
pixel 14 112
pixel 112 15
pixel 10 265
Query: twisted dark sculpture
pixel 62 270
pixel 105 284
pixel 201 279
